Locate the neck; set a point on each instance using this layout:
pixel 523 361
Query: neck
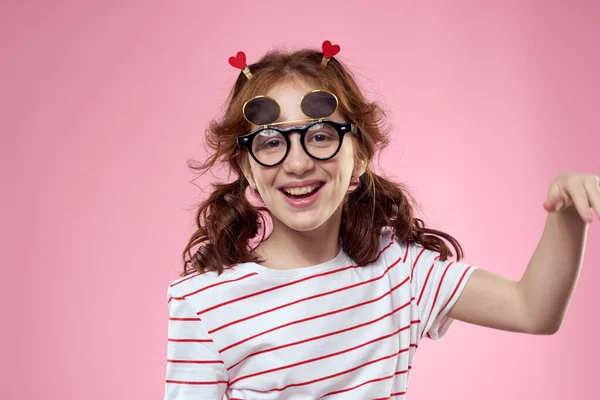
pixel 289 249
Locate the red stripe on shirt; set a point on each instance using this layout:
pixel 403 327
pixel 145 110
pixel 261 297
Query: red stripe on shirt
pixel 339 373
pixel 184 319
pixel 300 300
pixel 190 340
pixel 405 371
pixel 457 286
pixel 308 319
pixel 426 280
pixel 406 253
pixel 290 284
pixel 184 279
pixel 359 385
pixel 219 284
pixel 195 383
pixel 415 346
pixel 311 339
pixel 369 381
pixel 437 293
pixel 195 274
pixel 311 360
pixel 412 272
pixel 195 361
pixel 304 319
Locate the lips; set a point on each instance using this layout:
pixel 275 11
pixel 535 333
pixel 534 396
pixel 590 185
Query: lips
pixel 301 193
pixel 302 201
pixel 305 190
pixel 299 184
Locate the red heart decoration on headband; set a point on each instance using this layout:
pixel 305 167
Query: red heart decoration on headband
pixel 330 50
pixel 238 61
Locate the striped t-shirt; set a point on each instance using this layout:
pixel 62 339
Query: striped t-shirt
pixel 332 330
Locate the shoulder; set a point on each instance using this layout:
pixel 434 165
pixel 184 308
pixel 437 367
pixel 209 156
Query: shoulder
pixel 406 252
pixel 391 248
pixel 198 283
pixel 393 255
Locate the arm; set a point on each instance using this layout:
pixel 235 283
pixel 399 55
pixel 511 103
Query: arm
pixel 538 302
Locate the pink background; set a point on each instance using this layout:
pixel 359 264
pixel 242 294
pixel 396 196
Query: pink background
pixel 103 102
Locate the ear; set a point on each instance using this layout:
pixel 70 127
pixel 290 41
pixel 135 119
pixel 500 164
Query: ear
pixel 360 166
pixel 247 171
pixel 249 176
pixel 251 181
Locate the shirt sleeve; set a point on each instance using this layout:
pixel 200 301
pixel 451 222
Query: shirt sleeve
pixel 194 367
pixel 436 286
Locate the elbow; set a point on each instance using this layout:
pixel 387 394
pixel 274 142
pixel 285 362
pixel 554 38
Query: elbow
pixel 547 328
pixel 548 331
pixel 542 322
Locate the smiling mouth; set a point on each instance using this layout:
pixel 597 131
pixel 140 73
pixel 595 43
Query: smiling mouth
pixel 300 193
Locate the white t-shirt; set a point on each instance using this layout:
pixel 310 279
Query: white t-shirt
pixel 332 330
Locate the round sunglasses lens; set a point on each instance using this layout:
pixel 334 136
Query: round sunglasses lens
pixel 319 104
pixel 261 111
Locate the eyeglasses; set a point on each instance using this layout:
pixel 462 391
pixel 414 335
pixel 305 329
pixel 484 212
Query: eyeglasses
pixel 320 139
pixel 269 145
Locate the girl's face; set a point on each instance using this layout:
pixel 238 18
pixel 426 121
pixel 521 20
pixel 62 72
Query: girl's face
pixel 300 171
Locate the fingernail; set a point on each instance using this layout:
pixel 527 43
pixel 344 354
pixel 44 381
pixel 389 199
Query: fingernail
pixel 559 205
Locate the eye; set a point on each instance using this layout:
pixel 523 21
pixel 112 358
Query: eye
pixel 272 144
pixel 321 133
pixel 319 137
pixel 269 139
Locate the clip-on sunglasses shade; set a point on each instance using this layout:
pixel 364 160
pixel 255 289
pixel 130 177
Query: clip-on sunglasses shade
pixel 264 110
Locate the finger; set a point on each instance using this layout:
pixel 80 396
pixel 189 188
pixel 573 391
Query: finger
pixel 592 186
pixel 580 200
pixel 557 199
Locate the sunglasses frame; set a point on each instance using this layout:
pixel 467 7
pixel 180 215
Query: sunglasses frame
pixel 247 139
pixel 337 104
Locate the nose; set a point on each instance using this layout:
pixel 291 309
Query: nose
pixel 297 161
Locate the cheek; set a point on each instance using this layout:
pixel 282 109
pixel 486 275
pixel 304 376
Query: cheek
pixel 264 178
pixel 347 158
pixel 340 171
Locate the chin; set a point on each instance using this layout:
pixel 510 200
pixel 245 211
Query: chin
pixel 305 220
pixel 303 225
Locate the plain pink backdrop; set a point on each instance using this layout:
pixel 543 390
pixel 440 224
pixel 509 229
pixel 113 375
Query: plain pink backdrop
pixel 103 102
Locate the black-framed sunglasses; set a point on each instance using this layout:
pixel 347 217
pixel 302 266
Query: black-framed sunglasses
pixel 321 140
pixel 269 145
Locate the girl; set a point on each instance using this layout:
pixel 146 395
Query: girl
pixel 334 302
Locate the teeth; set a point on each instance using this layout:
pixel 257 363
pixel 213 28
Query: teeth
pixel 302 190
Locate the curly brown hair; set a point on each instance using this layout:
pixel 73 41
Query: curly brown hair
pixel 227 222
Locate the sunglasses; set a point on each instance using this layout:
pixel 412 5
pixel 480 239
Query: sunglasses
pixel 264 110
pixel 269 145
